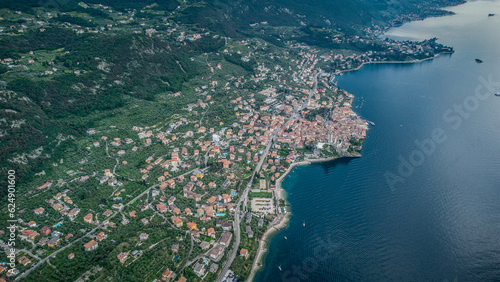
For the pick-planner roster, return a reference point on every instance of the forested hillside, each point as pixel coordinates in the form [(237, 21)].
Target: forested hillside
[(102, 58)]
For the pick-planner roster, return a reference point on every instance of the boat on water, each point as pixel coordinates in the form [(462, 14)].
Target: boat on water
[(279, 266), (479, 61), (497, 94), (371, 122), (491, 15), (304, 224), (286, 238)]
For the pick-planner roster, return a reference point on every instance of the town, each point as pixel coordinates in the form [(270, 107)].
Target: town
[(184, 191)]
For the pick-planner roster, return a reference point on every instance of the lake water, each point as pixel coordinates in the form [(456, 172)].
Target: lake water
[(408, 212)]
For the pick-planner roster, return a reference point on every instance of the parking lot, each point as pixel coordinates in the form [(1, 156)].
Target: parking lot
[(263, 205)]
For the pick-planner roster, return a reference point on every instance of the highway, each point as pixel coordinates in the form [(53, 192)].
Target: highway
[(238, 215)]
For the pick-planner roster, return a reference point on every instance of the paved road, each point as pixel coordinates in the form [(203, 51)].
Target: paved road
[(7, 251), (140, 195), (189, 254), (195, 259), (30, 253), (311, 91), (116, 159), (35, 266), (189, 262), (154, 186), (244, 199)]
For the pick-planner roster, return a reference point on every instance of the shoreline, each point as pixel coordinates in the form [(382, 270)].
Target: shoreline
[(283, 220), (275, 228), (281, 224), (395, 62), (263, 243)]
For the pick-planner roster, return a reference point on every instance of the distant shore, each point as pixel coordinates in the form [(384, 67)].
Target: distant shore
[(396, 62)]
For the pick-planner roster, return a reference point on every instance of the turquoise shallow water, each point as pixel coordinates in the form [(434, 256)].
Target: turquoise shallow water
[(435, 220)]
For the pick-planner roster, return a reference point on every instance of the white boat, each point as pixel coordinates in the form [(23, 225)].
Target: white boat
[(279, 266), (286, 238), (304, 224)]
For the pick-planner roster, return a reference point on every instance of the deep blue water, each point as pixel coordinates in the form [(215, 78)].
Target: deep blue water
[(439, 221)]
